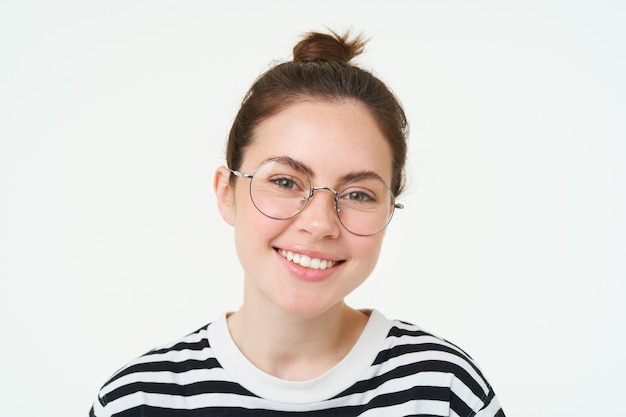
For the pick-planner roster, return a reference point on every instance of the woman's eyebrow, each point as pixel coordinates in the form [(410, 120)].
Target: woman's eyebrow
[(363, 173), (344, 178), (295, 164)]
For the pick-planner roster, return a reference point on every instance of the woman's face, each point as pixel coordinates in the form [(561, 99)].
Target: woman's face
[(335, 141)]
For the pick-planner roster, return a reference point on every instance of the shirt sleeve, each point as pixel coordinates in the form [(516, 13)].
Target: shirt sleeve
[(491, 407), (98, 409)]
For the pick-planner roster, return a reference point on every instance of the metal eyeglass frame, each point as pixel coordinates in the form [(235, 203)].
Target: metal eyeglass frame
[(312, 190)]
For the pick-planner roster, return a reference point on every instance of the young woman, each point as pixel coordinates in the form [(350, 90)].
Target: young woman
[(315, 161)]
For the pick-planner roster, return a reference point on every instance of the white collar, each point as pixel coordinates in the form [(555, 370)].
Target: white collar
[(342, 376)]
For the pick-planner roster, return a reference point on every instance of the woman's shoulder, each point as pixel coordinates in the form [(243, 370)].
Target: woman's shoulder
[(413, 343), (407, 333), (192, 351), (413, 351)]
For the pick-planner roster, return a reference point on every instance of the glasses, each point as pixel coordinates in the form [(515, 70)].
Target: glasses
[(281, 188)]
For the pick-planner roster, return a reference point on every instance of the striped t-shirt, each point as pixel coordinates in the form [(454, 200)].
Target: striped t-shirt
[(394, 369)]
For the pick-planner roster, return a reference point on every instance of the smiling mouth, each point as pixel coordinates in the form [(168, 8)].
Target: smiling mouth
[(306, 261)]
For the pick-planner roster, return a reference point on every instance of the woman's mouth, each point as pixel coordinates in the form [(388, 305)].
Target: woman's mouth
[(305, 260)]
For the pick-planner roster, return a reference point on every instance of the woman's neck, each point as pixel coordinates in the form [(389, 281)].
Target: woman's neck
[(296, 348)]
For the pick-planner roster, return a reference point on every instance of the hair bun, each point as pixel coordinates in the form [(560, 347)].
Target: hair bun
[(332, 47)]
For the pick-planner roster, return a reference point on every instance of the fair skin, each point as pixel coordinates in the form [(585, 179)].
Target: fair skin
[(294, 323)]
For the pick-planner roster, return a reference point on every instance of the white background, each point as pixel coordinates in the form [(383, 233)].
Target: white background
[(113, 116)]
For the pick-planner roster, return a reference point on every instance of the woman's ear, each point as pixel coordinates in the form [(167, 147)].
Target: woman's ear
[(225, 194)]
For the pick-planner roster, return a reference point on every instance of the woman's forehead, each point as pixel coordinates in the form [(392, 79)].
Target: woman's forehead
[(325, 137)]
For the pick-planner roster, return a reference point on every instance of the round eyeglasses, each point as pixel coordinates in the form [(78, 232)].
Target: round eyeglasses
[(280, 188)]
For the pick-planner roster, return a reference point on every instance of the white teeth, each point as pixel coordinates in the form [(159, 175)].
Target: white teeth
[(315, 263), (306, 261)]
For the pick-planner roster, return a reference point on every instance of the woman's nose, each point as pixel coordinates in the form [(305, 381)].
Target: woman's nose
[(319, 217)]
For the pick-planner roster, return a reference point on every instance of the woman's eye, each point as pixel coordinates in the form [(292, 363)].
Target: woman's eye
[(359, 196), (286, 183)]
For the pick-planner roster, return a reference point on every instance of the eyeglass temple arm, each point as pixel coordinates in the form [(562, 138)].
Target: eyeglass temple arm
[(399, 205), (240, 174)]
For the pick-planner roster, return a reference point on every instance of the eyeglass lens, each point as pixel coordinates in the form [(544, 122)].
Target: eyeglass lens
[(280, 189)]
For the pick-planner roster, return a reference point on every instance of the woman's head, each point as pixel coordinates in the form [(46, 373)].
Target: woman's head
[(321, 70), (313, 141)]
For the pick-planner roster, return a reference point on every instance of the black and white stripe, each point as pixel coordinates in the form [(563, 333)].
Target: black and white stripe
[(413, 374)]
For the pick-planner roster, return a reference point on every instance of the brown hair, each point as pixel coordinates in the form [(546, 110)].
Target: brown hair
[(321, 69)]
